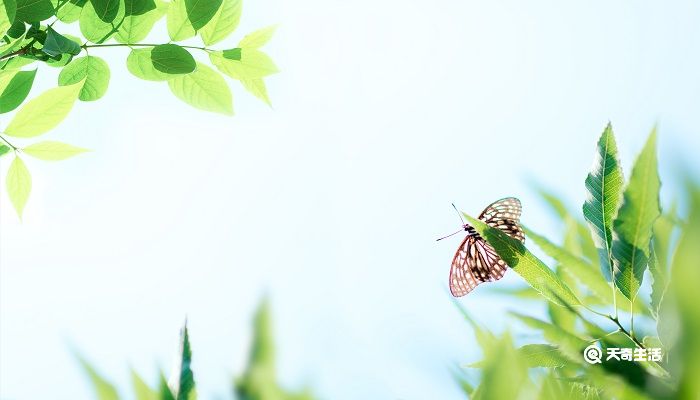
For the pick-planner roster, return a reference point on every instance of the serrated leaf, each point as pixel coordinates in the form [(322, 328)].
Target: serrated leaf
[(33, 10), (104, 390), (200, 12), (204, 89), (140, 65), (52, 151), (543, 355), (18, 185), (172, 59), (182, 384), (14, 88), (141, 389), (252, 64), (44, 112), (604, 195), (92, 71), (633, 225), (531, 268), (258, 38), (179, 25), (8, 10), (222, 23)]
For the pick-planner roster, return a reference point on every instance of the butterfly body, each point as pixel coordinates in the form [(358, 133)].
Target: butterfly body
[(476, 261)]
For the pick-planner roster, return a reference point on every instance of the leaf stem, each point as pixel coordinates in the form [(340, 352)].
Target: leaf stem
[(15, 148), (87, 46)]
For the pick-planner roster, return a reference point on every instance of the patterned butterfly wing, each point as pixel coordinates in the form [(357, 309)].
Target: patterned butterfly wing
[(476, 261), (504, 215)]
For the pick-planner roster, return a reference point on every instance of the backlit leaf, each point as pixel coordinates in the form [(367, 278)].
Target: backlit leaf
[(135, 28), (44, 112), (18, 185), (205, 89), (256, 86), (258, 38), (106, 10), (103, 389), (94, 28), (52, 151), (635, 220), (33, 10), (222, 23), (200, 12), (252, 64), (8, 10), (172, 59), (179, 25), (92, 71), (14, 88), (140, 65), (141, 389)]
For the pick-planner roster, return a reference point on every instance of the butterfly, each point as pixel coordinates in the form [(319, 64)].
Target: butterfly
[(476, 261)]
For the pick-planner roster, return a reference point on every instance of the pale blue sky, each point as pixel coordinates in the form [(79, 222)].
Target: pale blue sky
[(385, 113)]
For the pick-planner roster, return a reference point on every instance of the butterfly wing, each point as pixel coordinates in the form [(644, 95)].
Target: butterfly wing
[(504, 215), (462, 280)]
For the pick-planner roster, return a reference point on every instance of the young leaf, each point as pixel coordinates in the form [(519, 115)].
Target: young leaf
[(222, 23), (201, 12), (18, 184), (179, 25), (4, 150), (182, 382), (94, 28), (256, 86), (502, 363), (635, 220), (604, 188), (531, 268), (33, 10), (140, 65), (52, 151), (569, 344), (104, 390), (106, 10), (204, 89), (57, 44), (258, 38), (141, 389), (543, 355), (70, 11), (44, 112), (14, 88), (92, 71), (243, 63), (172, 59)]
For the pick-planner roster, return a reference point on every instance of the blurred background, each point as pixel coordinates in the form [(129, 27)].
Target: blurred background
[(330, 203)]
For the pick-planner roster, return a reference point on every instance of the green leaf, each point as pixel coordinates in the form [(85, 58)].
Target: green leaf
[(604, 189), (139, 7), (531, 268), (141, 389), (14, 88), (52, 151), (172, 59), (18, 185), (34, 10), (222, 23), (7, 15), (257, 87), (502, 364), (543, 355), (569, 344), (140, 65), (106, 10), (57, 44), (135, 28), (70, 11), (204, 89), (182, 383), (44, 112), (179, 25), (258, 38), (635, 220), (94, 28), (4, 149), (200, 12), (252, 63), (164, 392), (92, 71), (104, 390)]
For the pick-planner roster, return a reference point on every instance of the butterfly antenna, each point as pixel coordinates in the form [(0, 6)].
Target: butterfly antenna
[(451, 234), (459, 214)]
